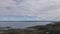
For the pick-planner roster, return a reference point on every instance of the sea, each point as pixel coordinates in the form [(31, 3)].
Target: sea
[(21, 24)]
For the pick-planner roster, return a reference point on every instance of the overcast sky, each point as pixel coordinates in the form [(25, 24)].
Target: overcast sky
[(36, 8), (39, 9)]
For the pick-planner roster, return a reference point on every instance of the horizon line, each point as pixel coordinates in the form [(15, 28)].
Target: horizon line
[(29, 21)]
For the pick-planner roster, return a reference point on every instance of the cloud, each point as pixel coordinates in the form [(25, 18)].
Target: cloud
[(39, 8)]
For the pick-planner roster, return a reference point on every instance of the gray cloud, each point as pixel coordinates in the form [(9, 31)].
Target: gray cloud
[(30, 8)]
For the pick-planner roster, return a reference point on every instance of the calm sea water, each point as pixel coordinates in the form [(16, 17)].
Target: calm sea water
[(21, 24)]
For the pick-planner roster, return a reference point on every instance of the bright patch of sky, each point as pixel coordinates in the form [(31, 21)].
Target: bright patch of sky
[(17, 18), (27, 18)]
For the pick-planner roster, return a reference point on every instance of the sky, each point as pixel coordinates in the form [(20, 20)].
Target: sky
[(12, 10), (34, 8), (38, 8)]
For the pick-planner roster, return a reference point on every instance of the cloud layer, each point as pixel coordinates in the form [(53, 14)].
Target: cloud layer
[(39, 8)]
